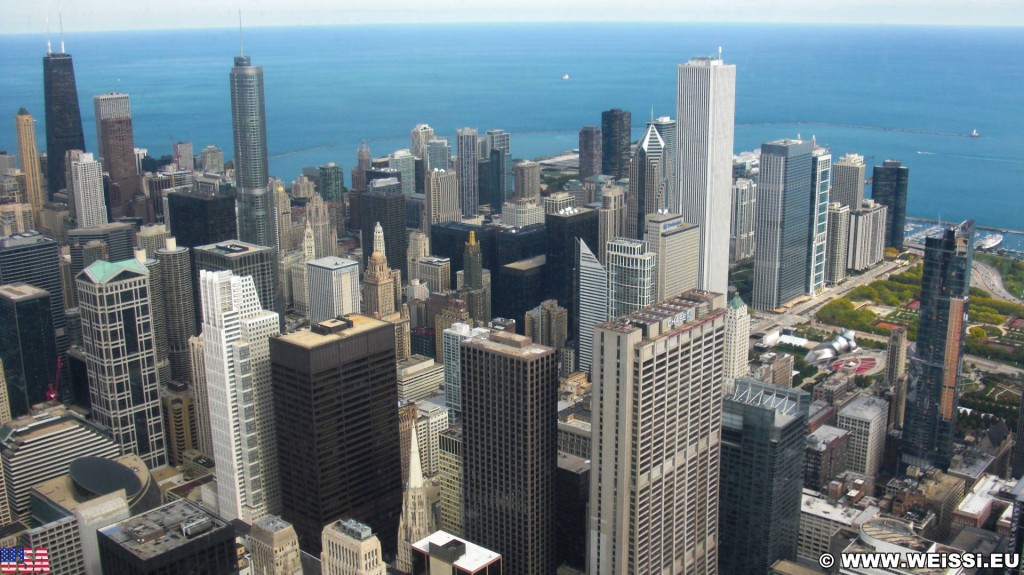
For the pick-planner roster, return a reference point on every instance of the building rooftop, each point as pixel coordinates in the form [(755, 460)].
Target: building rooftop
[(233, 248), (352, 528), (678, 313), (982, 493), (818, 505), (272, 523), (416, 364), (91, 477), (333, 330), (473, 558), (21, 292), (510, 344), (41, 423), (529, 263), (865, 408), (573, 463), (165, 528), (434, 260), (823, 436), (333, 263)]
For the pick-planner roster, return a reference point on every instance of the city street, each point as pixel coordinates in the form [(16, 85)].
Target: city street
[(989, 279)]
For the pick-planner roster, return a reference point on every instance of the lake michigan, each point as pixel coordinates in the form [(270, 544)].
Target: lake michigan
[(886, 92)]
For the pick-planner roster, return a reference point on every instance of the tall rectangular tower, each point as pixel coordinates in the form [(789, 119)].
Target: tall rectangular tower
[(783, 223), (592, 279), (28, 351), (705, 110), (936, 360), (508, 382), (631, 276), (116, 149), (384, 203), (889, 188), (677, 245), (817, 231), (236, 332), (646, 182), (25, 125), (120, 351), (836, 244), (333, 285), (34, 259), (466, 168), (249, 128), (63, 116), (87, 189), (112, 105), (590, 152), (615, 139), (657, 419), (848, 181)]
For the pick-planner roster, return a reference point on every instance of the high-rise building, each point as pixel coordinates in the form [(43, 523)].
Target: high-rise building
[(384, 204), (611, 217), (508, 382), (497, 139), (936, 360), (667, 129), (896, 375), (419, 137), (836, 246), (256, 223), (705, 108), (737, 341), (742, 238), (212, 159), (865, 418), (439, 155), (889, 188), (466, 169), (332, 182), (527, 178), (351, 548), (115, 239), (382, 295), (416, 522), (112, 105), (28, 350), (593, 303), (274, 547), (63, 116), (866, 242), (442, 198), (764, 435), (632, 270), (450, 477), (473, 291), (236, 331), (120, 351), (184, 156), (547, 324), (783, 223), (34, 259), (848, 181), (87, 190), (563, 231), (442, 553), (1017, 457), (179, 413), (590, 152), (615, 139), (116, 149), (333, 288), (199, 219), (339, 378), (650, 507), (405, 163), (676, 244), (25, 125), (431, 420), (451, 357), (201, 400), (817, 233), (241, 259), (646, 182), (158, 315)]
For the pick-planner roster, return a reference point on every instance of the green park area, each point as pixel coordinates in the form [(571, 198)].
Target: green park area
[(1011, 269)]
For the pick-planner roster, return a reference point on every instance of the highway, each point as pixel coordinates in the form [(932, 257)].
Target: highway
[(989, 279)]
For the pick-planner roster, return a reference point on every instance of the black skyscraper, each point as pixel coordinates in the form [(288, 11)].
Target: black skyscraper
[(383, 202), (615, 138), (889, 187), (590, 152), (936, 359), (337, 427), (27, 347), (199, 219), (63, 116), (560, 268)]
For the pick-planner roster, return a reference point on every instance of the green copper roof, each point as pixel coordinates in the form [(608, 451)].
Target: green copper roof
[(737, 302), (101, 271)]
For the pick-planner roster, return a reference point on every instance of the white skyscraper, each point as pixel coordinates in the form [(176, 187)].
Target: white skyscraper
[(821, 184), (705, 110), (594, 305), (677, 245), (451, 339), (419, 137), (87, 189), (631, 271), (442, 198), (657, 418), (865, 418), (647, 180), (866, 244), (835, 247), (332, 288), (737, 341), (741, 228), (236, 349), (848, 181)]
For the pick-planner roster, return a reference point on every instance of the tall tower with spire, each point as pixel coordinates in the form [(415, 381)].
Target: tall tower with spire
[(256, 221), (646, 182), (25, 125), (474, 292), (415, 523), (382, 299), (63, 115)]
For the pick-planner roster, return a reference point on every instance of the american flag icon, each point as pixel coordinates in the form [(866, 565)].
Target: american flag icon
[(24, 560)]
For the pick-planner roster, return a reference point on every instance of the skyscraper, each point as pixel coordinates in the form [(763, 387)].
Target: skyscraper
[(332, 182), (865, 245), (184, 157), (817, 231), (439, 154), (508, 382), (451, 357), (345, 460), (896, 375), (677, 245), (547, 324), (652, 509), (241, 259), (442, 198), (783, 223), (419, 137), (646, 182), (474, 292), (236, 332), (34, 259), (405, 163), (275, 547), (25, 125), (563, 229), (590, 152), (63, 116), (764, 435), (116, 146), (737, 341), (87, 189), (705, 110), (889, 188), (936, 360), (198, 219), (120, 351), (848, 181), (112, 105), (325, 237), (466, 169), (631, 276), (333, 288), (383, 203), (28, 351), (593, 303), (741, 229), (615, 139), (351, 548), (249, 128), (836, 244)]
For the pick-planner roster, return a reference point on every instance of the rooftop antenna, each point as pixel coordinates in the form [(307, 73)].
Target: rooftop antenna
[(61, 17), (652, 114), (241, 38), (49, 49)]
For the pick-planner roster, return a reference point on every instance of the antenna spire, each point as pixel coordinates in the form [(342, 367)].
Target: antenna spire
[(61, 16), (719, 52), (241, 38), (49, 49)]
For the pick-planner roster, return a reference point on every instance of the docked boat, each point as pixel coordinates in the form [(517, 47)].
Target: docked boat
[(988, 242)]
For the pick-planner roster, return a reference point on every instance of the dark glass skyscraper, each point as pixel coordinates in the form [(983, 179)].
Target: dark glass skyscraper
[(889, 187), (27, 347), (249, 123), (384, 202), (590, 152), (63, 116), (560, 268), (615, 138), (198, 219), (764, 435), (936, 359)]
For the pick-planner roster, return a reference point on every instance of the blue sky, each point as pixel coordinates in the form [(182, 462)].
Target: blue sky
[(29, 16)]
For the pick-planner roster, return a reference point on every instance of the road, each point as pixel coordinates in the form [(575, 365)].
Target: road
[(989, 279)]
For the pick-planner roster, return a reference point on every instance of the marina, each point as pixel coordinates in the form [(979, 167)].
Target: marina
[(989, 239)]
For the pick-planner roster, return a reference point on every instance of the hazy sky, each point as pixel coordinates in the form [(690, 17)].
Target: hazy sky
[(29, 16)]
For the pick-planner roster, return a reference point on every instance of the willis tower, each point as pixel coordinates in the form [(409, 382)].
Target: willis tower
[(63, 116)]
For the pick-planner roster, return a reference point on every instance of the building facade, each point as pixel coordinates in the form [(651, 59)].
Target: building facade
[(889, 188)]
